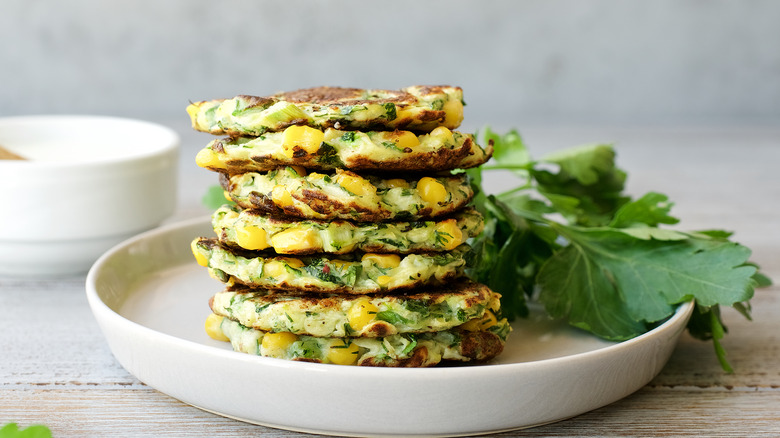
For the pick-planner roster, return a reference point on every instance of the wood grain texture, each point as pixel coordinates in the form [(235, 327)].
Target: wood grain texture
[(147, 413), (56, 368)]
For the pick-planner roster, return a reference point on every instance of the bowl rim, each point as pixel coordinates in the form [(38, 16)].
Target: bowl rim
[(168, 141)]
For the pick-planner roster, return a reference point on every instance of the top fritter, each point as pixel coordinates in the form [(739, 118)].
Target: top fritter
[(416, 108)]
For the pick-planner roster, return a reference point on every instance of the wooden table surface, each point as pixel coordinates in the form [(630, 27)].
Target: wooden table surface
[(56, 368)]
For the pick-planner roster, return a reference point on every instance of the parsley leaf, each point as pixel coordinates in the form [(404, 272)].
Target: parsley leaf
[(392, 317), (651, 209), (604, 270), (509, 150), (569, 237), (215, 197), (509, 253), (587, 186), (11, 430)]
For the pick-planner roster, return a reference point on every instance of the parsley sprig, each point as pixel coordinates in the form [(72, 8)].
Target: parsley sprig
[(569, 237), (11, 430)]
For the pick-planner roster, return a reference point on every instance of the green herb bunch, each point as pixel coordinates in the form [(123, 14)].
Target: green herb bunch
[(570, 238)]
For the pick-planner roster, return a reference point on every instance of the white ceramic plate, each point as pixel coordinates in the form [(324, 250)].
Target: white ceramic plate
[(150, 299)]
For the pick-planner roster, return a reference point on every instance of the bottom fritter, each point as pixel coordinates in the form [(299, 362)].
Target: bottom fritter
[(401, 350)]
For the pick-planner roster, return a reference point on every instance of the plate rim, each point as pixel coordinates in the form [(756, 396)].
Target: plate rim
[(103, 311), (682, 310)]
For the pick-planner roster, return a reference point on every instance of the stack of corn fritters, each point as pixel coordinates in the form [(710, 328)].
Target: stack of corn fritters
[(345, 244)]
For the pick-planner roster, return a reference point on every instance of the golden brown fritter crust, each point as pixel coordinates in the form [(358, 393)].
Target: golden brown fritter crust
[(313, 289), (326, 315), (481, 345), (418, 108), (464, 156), (465, 288), (343, 236), (418, 359), (313, 202), (328, 274), (342, 96)]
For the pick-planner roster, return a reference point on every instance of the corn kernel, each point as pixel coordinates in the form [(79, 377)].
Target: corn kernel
[(301, 137), (315, 176), (274, 269), (489, 320), (495, 303), (294, 240), (444, 133), (208, 158), (355, 184), (299, 170), (449, 234), (431, 191), (340, 265), (213, 328), (199, 257), (478, 324), (276, 344), (193, 111), (453, 113), (341, 353), (382, 260), (251, 236), (402, 113), (361, 313), (292, 262), (281, 197), (331, 134), (226, 194), (384, 280), (396, 183), (404, 139)]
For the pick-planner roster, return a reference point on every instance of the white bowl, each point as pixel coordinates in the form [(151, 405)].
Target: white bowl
[(88, 183)]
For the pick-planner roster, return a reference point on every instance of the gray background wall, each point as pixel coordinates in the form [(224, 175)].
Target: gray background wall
[(519, 62)]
